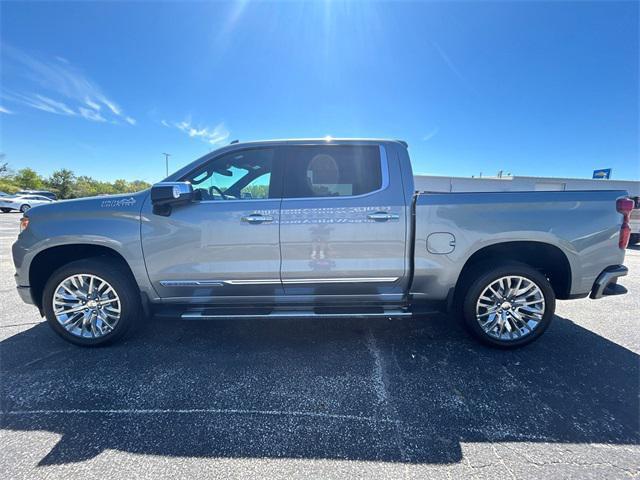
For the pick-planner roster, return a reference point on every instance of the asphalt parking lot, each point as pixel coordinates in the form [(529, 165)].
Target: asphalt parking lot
[(322, 399)]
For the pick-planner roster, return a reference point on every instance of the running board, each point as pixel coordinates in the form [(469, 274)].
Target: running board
[(293, 314)]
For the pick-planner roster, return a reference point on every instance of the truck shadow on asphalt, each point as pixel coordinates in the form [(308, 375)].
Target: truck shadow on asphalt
[(396, 391)]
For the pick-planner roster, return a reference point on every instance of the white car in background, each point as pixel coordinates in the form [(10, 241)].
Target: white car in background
[(22, 203), (42, 193)]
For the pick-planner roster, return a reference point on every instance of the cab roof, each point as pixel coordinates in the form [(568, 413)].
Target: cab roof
[(314, 141)]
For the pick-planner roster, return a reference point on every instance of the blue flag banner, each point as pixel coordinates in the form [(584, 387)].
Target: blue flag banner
[(602, 174)]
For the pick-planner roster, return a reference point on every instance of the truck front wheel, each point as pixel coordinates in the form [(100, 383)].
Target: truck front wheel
[(508, 305), (91, 302)]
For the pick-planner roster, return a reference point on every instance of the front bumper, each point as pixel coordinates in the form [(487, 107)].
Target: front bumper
[(25, 294), (606, 283)]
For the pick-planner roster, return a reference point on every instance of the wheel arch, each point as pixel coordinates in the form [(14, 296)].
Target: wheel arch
[(50, 259), (548, 259)]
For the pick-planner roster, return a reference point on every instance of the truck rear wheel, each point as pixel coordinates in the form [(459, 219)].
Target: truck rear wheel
[(91, 302), (509, 305)]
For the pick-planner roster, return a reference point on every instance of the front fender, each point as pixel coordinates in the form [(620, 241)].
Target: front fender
[(110, 222)]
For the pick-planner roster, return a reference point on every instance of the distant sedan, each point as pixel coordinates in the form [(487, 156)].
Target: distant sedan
[(22, 202), (41, 193)]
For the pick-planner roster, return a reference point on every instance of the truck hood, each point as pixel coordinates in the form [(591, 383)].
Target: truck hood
[(129, 203)]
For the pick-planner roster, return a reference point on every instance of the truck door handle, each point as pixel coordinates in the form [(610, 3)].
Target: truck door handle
[(256, 218), (382, 216)]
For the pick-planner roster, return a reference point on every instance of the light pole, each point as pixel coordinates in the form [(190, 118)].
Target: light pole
[(166, 162)]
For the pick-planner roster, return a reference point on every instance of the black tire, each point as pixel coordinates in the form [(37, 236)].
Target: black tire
[(484, 275), (119, 279), (5, 210), (634, 239), (25, 208)]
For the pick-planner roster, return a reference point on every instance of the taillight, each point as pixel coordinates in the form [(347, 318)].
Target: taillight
[(624, 206), (24, 223)]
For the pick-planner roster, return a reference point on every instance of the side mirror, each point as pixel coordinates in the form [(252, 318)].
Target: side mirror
[(164, 195)]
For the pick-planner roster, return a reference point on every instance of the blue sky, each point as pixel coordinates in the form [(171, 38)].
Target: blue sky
[(536, 88)]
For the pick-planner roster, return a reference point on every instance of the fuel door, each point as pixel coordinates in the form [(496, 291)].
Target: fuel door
[(441, 243)]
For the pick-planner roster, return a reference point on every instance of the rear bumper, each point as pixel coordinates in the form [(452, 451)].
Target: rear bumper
[(606, 283)]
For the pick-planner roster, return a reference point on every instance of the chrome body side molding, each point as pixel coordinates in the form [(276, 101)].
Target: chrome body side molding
[(272, 281), (295, 281)]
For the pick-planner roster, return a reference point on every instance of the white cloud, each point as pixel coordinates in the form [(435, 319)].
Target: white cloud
[(59, 107), (165, 123), (214, 136), (452, 66), (39, 102), (91, 115), (431, 134), (67, 90), (4, 110), (111, 105), (90, 103)]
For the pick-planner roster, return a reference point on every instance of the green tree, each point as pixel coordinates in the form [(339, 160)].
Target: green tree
[(121, 186), (138, 185), (7, 186), (85, 187), (63, 181), (27, 178)]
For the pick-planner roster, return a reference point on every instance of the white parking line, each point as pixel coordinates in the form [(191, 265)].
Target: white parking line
[(218, 411), (380, 386), (377, 375)]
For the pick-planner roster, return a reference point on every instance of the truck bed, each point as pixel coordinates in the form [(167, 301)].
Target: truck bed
[(451, 227)]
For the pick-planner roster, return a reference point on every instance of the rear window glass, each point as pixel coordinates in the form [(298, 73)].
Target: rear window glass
[(332, 171)]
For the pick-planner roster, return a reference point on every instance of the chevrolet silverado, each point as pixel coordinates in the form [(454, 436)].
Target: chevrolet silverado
[(312, 229)]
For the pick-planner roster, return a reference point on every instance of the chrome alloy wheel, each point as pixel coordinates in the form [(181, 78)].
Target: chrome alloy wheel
[(86, 306), (510, 308)]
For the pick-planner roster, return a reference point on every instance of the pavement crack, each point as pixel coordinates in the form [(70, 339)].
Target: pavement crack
[(44, 357), (502, 462), (20, 324)]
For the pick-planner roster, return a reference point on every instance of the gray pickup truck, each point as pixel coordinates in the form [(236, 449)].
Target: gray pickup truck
[(312, 229)]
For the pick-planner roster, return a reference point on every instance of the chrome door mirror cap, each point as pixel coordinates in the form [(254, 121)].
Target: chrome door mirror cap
[(171, 193), (164, 195)]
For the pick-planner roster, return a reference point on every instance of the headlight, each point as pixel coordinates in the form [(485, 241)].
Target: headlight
[(24, 223)]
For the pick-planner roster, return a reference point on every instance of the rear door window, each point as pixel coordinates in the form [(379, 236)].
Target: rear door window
[(332, 171)]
